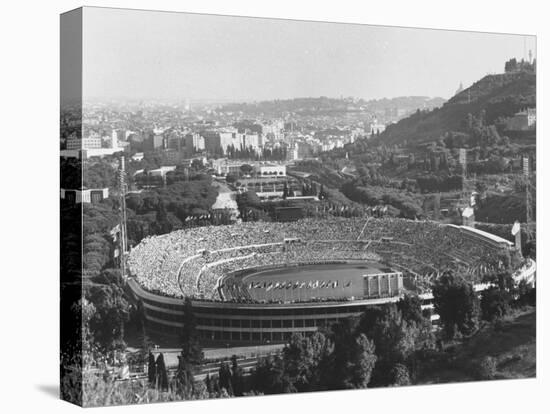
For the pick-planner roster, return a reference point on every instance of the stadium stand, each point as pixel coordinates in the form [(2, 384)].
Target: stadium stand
[(196, 262)]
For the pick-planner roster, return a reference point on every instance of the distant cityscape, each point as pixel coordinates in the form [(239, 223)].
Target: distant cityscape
[(180, 131)]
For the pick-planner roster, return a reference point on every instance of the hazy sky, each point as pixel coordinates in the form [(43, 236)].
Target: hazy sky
[(159, 55)]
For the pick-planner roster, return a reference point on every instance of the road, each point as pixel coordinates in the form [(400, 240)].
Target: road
[(247, 357), (226, 197), (249, 353)]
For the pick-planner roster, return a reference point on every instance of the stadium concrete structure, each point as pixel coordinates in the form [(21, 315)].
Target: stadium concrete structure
[(231, 273)]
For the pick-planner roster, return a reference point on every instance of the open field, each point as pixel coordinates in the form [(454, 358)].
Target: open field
[(326, 281)]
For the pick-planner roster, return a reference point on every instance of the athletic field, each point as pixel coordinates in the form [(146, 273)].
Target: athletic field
[(310, 282)]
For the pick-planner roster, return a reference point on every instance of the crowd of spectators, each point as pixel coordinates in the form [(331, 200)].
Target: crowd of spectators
[(196, 261)]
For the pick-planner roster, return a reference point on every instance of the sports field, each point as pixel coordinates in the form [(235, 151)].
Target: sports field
[(310, 282)]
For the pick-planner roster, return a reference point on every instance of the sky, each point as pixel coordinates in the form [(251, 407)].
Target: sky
[(133, 54)]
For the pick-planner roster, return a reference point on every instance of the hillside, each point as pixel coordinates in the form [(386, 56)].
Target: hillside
[(511, 343), (499, 95)]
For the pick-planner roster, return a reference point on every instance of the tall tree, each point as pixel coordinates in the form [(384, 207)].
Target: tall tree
[(191, 349), (362, 362), (302, 358), (112, 313), (457, 304), (410, 307), (285, 191), (162, 374), (184, 378), (269, 376), (395, 339), (237, 377), (151, 369), (162, 224), (224, 375), (246, 169), (353, 359)]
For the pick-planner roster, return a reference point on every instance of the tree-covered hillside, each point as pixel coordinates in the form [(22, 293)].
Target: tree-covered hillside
[(500, 96)]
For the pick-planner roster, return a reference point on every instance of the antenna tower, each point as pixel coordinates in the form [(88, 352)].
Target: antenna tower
[(529, 224), (468, 185)]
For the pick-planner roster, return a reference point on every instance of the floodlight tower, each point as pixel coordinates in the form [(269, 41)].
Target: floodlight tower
[(463, 160), (468, 186), (122, 199), (466, 190), (528, 199)]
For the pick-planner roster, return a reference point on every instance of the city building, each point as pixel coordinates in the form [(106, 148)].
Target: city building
[(171, 156), (138, 156), (269, 187), (91, 146), (95, 195), (220, 141), (92, 142), (158, 141), (118, 136), (162, 171), (174, 142), (303, 150), (376, 128), (89, 153), (223, 166), (523, 120), (292, 154), (193, 143), (270, 170)]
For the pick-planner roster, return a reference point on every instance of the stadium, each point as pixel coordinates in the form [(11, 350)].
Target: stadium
[(257, 283)]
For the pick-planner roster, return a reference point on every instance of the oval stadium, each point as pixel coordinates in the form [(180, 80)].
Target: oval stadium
[(259, 282)]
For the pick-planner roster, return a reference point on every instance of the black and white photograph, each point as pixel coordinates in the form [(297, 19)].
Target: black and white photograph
[(293, 206), (272, 206)]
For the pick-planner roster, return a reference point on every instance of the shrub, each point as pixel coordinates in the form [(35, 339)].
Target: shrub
[(400, 375), (485, 369), (495, 304), (527, 295)]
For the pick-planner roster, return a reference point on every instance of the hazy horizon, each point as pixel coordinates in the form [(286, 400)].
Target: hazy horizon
[(146, 55)]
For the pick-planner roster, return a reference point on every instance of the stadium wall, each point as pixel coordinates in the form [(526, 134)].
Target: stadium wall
[(238, 323)]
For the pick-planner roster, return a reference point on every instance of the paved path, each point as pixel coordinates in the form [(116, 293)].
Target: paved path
[(226, 197)]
